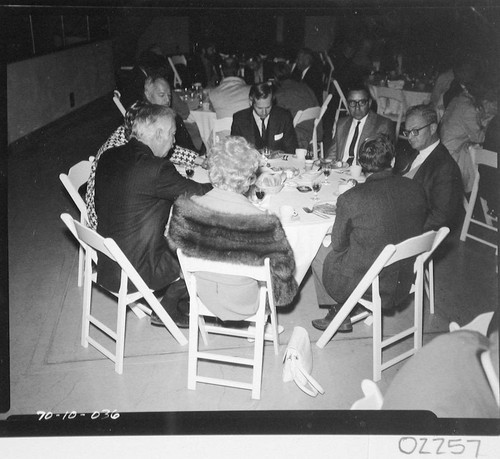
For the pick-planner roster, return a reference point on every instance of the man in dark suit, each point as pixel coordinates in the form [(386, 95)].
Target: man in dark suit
[(306, 71), (135, 186), (264, 124), (386, 209), (361, 124), (431, 165)]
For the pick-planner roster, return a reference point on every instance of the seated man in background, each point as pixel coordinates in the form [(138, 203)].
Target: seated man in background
[(232, 94), (362, 123), (432, 166), (386, 209), (264, 124), (135, 186), (157, 91), (306, 71), (223, 225), (293, 96)]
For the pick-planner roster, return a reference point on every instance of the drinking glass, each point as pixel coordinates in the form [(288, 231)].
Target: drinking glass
[(326, 172), (189, 169), (316, 186), (260, 194)]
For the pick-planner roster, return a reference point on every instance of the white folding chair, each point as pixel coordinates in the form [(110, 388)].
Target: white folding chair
[(479, 324), (117, 100), (488, 158), (315, 128), (418, 247), (177, 78), (179, 59), (72, 181), (373, 399), (391, 103), (92, 242), (198, 310), (342, 106), (222, 128), (330, 79), (429, 273)]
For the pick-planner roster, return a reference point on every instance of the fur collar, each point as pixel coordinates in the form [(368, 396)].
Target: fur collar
[(235, 238)]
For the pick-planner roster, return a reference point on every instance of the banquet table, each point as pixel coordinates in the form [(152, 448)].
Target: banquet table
[(205, 120), (307, 231), (412, 98)]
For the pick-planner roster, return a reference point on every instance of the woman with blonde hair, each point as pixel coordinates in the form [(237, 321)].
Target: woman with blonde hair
[(223, 225)]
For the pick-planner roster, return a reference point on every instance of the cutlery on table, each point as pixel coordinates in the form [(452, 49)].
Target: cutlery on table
[(307, 210)]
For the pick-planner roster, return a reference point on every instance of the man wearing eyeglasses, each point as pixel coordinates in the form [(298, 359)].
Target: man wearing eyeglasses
[(362, 123), (431, 164)]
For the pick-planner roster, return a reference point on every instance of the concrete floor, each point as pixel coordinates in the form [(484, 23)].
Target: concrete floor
[(50, 371)]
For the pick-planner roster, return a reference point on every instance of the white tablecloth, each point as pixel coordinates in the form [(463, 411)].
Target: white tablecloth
[(307, 232), (205, 121), (412, 98)]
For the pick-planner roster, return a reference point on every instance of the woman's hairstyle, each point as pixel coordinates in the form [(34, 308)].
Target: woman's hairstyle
[(128, 119), (232, 164), (147, 119), (376, 153)]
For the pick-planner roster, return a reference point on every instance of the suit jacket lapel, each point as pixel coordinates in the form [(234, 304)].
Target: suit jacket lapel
[(367, 128)]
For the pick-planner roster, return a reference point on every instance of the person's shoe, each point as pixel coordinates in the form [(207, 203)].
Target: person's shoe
[(180, 320), (322, 324)]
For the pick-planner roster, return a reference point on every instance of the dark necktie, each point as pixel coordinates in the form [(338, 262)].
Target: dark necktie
[(263, 135), (353, 144)]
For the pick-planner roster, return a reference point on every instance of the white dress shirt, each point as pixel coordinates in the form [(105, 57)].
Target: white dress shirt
[(362, 123), (258, 121), (421, 157)]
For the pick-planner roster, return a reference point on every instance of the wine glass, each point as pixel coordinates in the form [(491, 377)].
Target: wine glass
[(316, 186), (326, 172), (259, 194), (189, 169)]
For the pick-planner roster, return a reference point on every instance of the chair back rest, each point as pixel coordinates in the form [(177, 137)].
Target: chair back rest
[(191, 265), (421, 246), (480, 324), (222, 125), (323, 110), (76, 177), (177, 78), (94, 242), (117, 100), (307, 114), (179, 59)]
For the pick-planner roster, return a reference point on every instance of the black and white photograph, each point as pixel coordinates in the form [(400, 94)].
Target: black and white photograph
[(250, 218)]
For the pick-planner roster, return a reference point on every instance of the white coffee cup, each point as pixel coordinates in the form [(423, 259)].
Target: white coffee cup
[(309, 164), (300, 154), (355, 171), (287, 213)]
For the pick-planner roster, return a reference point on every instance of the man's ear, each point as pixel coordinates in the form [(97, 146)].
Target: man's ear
[(434, 128), (159, 133)]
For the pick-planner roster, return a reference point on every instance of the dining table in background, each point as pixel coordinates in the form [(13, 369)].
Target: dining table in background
[(305, 232)]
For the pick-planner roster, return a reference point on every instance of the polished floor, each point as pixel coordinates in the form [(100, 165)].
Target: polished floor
[(51, 371)]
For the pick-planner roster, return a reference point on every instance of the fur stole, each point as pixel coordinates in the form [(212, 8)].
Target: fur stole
[(205, 233)]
